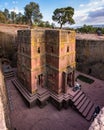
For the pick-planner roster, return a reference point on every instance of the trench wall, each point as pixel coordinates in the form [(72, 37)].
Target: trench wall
[(90, 57)]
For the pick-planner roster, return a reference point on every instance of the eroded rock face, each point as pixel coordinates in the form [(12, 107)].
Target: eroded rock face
[(5, 123), (2, 119), (90, 57), (98, 123)]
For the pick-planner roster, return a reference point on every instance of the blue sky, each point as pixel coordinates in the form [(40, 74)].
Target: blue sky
[(86, 11)]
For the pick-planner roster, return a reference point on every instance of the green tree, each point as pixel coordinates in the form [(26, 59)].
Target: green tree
[(52, 25), (19, 18), (63, 16), (103, 30), (2, 17), (41, 24), (32, 13), (87, 29), (6, 13), (13, 16), (24, 19), (47, 24)]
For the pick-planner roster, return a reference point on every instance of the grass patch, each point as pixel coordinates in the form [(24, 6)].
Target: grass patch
[(85, 79)]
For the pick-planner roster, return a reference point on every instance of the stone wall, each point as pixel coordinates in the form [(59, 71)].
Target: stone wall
[(4, 105), (98, 123), (90, 57), (8, 47)]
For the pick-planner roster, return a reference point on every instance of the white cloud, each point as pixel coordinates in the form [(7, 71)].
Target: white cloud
[(81, 16), (81, 5)]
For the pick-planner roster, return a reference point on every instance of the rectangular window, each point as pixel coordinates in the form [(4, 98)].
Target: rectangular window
[(38, 49)]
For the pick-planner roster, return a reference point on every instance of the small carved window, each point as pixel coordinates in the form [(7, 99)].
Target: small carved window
[(23, 49), (52, 49), (68, 49), (77, 60), (38, 49), (69, 32)]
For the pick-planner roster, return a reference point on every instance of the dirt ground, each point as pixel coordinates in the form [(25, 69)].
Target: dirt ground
[(49, 118), (12, 29), (83, 36)]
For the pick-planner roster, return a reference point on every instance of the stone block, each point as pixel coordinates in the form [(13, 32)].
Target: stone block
[(45, 51)]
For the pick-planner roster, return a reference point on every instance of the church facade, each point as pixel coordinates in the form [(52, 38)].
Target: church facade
[(46, 59)]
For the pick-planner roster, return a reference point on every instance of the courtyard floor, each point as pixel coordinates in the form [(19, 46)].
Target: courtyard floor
[(49, 118)]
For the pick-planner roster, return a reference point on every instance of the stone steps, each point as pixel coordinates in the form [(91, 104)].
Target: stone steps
[(28, 96), (89, 116), (87, 109), (9, 75), (79, 99), (67, 97), (77, 96), (42, 95), (83, 105)]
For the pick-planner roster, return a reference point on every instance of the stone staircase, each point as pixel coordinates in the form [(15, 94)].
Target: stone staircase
[(83, 105), (79, 100), (9, 74), (41, 96)]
